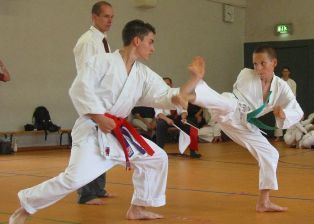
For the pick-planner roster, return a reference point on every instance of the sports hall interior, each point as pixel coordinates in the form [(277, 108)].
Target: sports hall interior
[(37, 38)]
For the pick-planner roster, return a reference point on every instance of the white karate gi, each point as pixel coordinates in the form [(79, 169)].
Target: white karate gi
[(299, 134), (294, 134), (209, 131), (307, 141), (293, 86), (231, 114), (103, 86)]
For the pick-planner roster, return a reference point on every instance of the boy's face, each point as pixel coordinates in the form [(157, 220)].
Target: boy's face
[(264, 65), (145, 47)]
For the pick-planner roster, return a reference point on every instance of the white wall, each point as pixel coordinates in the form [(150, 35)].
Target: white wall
[(263, 15), (37, 38)]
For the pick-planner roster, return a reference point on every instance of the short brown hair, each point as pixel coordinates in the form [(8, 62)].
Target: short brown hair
[(266, 49)]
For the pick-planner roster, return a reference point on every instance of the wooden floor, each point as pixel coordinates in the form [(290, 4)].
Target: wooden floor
[(217, 189)]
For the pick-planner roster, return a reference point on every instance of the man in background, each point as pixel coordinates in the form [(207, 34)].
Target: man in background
[(285, 75), (91, 43)]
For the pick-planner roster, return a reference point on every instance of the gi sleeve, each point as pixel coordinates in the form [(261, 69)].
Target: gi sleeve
[(290, 107), (83, 89), (156, 93)]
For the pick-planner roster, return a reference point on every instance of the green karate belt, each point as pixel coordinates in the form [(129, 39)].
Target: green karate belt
[(251, 117)]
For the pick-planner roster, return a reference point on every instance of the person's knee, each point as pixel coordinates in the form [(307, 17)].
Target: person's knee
[(289, 139)]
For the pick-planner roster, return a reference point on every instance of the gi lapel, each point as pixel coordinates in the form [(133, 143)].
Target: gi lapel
[(128, 95)]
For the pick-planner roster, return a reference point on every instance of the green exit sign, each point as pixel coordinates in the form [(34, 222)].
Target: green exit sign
[(283, 29)]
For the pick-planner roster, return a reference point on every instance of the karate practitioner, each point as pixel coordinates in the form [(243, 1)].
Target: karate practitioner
[(111, 84), (91, 43), (301, 134), (256, 92), (294, 134), (307, 140)]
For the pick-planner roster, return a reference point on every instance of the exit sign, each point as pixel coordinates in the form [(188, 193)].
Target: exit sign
[(283, 29)]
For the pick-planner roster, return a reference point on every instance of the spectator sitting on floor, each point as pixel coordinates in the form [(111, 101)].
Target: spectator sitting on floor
[(298, 135), (143, 118), (166, 119), (210, 132)]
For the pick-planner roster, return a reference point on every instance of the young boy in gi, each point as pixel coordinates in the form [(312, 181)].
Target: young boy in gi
[(255, 93)]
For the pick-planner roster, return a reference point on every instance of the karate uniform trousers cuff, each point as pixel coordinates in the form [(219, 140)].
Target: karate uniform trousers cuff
[(153, 202)]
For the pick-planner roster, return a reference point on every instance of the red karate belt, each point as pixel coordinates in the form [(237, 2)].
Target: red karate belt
[(122, 122), (194, 138)]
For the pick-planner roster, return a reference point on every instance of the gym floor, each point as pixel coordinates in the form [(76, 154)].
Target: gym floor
[(219, 188)]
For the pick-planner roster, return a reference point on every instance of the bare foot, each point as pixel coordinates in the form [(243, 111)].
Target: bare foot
[(95, 201), (269, 207), (107, 195), (139, 212), (19, 216)]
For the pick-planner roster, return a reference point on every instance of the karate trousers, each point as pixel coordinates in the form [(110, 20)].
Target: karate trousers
[(86, 164), (226, 112)]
